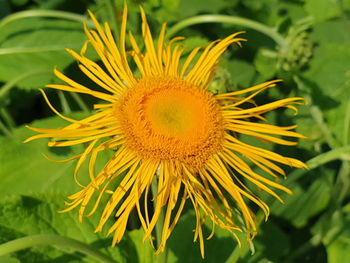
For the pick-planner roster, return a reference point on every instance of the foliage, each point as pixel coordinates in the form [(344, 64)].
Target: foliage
[(314, 223)]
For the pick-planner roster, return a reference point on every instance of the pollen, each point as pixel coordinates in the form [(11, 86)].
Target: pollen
[(170, 119)]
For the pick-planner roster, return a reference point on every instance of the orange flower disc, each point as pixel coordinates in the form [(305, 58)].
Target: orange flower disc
[(170, 119)]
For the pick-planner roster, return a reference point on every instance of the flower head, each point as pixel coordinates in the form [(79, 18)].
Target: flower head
[(166, 127)]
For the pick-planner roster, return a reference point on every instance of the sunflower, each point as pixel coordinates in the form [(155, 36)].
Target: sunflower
[(166, 127)]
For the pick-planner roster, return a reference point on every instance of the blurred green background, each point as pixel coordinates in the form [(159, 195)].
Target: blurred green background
[(304, 42)]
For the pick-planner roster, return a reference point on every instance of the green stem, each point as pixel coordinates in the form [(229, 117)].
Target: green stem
[(45, 13), (162, 257), (342, 153), (238, 252), (54, 240), (4, 90), (272, 33), (317, 115), (346, 124), (64, 103), (4, 130), (112, 12), (79, 101), (342, 183), (7, 118), (314, 241)]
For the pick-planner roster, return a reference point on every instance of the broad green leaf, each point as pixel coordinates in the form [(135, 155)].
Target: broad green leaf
[(194, 7), (329, 226), (329, 77), (323, 10), (23, 215), (338, 248), (183, 249), (304, 203), (166, 13), (40, 42), (162, 11), (24, 170), (192, 42), (339, 118), (330, 69), (269, 11), (134, 250), (271, 244), (265, 63), (254, 5), (242, 72), (9, 259), (331, 32), (308, 126), (294, 10)]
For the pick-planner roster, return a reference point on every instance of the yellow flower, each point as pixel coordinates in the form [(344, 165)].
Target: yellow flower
[(165, 126)]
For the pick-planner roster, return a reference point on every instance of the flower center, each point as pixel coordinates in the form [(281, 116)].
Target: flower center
[(173, 112), (170, 119)]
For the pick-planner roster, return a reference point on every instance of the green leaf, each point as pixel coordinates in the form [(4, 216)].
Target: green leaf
[(329, 75), (265, 63), (183, 249), (194, 7), (271, 244), (192, 42), (308, 126), (294, 10), (331, 32), (135, 250), (254, 5), (40, 42), (160, 10), (323, 10), (338, 250), (168, 10), (9, 259), (22, 216), (339, 118), (304, 203), (242, 72), (24, 170), (330, 69)]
